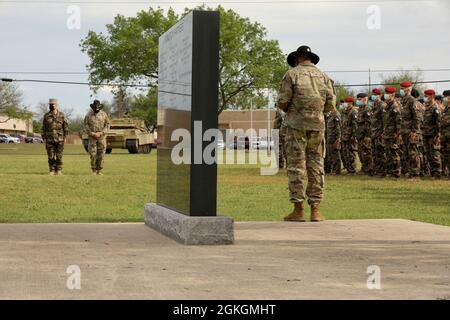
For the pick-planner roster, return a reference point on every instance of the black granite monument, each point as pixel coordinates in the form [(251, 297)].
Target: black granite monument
[(186, 200)]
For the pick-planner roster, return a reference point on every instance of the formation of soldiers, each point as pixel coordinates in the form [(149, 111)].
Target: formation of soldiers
[(55, 129), (392, 133)]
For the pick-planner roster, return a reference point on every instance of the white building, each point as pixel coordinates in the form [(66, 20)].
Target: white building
[(15, 126)]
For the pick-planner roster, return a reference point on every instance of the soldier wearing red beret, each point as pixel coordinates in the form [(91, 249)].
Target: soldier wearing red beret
[(410, 131), (431, 133), (363, 134), (445, 134), (376, 133), (391, 133), (349, 127)]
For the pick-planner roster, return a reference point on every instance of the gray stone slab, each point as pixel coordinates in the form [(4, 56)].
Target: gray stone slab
[(189, 230)]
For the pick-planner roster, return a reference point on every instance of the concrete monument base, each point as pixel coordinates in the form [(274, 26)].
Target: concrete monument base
[(188, 230)]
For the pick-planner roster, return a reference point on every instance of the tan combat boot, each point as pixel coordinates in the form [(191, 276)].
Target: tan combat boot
[(58, 173), (94, 172), (316, 216), (298, 214), (51, 173), (99, 173)]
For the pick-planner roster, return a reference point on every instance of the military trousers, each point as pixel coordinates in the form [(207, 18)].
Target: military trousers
[(305, 160), (349, 156), (55, 153), (378, 156), (365, 155), (393, 160), (97, 150), (281, 148), (334, 156), (445, 150), (433, 155), (410, 156)]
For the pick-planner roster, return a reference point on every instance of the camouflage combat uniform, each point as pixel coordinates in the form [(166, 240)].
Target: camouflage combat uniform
[(305, 93), (280, 125), (349, 128), (54, 131), (410, 124), (445, 140), (431, 130), (364, 142), (391, 134), (424, 167), (327, 162), (334, 141), (96, 123), (376, 135)]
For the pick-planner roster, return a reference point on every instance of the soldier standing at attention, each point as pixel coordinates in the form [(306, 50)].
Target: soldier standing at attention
[(96, 125), (334, 141), (305, 94), (376, 133), (391, 133), (445, 134), (363, 134), (421, 108), (279, 124), (431, 133), (54, 132), (410, 132), (349, 127)]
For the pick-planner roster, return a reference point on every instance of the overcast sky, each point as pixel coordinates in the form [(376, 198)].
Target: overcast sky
[(413, 34)]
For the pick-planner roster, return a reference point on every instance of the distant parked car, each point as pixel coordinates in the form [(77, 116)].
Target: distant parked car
[(34, 140), (21, 137), (8, 139), (3, 140)]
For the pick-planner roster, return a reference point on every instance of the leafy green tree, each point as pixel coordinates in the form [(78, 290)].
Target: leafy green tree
[(145, 106), (10, 101), (342, 91), (401, 76), (128, 52)]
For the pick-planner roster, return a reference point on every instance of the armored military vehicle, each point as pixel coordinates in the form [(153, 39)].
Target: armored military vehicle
[(127, 133)]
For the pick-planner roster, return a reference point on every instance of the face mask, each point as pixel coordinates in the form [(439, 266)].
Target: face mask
[(370, 104), (387, 97), (402, 92), (52, 107), (373, 97), (360, 103), (446, 101), (426, 99), (345, 105)]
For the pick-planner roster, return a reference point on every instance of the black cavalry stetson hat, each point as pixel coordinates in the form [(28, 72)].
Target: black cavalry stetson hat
[(302, 50)]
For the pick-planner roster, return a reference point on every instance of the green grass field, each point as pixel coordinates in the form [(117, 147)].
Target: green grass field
[(29, 194)]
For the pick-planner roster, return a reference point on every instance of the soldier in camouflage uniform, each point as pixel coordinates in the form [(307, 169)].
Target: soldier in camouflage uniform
[(376, 134), (348, 136), (391, 133), (305, 93), (424, 168), (445, 134), (363, 134), (54, 132), (96, 125), (334, 141), (327, 162), (410, 132), (280, 125), (431, 133)]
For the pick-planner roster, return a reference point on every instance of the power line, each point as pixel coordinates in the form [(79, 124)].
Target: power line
[(148, 86), (328, 71), (204, 2)]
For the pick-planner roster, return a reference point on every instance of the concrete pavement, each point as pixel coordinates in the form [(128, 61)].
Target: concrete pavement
[(270, 260)]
